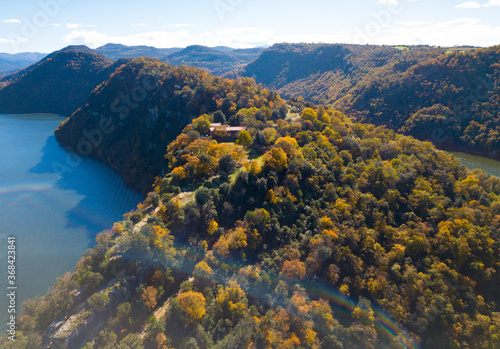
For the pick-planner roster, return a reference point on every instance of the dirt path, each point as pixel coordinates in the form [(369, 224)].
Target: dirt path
[(144, 221), (160, 312)]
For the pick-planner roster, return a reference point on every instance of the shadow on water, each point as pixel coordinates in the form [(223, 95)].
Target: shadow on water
[(105, 195)]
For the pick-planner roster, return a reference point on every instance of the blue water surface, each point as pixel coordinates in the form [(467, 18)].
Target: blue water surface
[(53, 203)]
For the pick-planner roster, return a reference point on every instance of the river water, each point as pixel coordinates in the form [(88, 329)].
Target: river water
[(473, 161), (52, 205)]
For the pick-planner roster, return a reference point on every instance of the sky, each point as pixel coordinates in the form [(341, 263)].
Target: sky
[(49, 25)]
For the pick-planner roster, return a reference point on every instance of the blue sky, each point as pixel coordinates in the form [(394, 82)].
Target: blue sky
[(48, 25)]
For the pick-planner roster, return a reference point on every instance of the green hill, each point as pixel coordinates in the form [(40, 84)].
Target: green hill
[(58, 84), (323, 73), (216, 60), (304, 234), (147, 103), (451, 100), (117, 51), (438, 94)]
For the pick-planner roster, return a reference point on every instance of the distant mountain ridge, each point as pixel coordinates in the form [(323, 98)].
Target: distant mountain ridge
[(10, 63), (61, 82), (213, 60), (216, 60), (58, 84), (117, 51)]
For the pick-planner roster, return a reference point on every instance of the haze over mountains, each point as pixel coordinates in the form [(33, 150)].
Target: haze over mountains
[(10, 63), (216, 60)]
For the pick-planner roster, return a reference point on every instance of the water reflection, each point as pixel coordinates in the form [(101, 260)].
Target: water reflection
[(105, 196), (54, 213)]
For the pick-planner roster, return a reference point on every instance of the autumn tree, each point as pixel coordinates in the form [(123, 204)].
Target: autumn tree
[(294, 269), (193, 305), (150, 297), (275, 159), (202, 125), (244, 138)]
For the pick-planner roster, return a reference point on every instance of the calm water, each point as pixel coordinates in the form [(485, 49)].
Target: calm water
[(54, 210), (472, 161)]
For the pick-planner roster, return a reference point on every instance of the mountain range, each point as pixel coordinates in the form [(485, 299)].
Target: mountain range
[(10, 63), (418, 90), (59, 83)]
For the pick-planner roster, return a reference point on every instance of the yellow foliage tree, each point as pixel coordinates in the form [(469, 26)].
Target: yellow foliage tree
[(253, 167), (309, 114), (289, 145), (179, 172), (213, 226), (193, 305), (232, 300), (202, 125), (202, 269), (276, 159), (244, 138)]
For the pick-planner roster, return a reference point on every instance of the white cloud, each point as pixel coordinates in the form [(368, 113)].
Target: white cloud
[(95, 39), (139, 25), (469, 4), (474, 4), (13, 20), (180, 25), (492, 3), (76, 26), (234, 37), (4, 41), (412, 23), (464, 31), (388, 2)]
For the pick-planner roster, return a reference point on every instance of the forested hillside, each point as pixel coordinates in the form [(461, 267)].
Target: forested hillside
[(452, 100), (446, 96), (144, 106), (60, 83), (303, 233), (322, 73)]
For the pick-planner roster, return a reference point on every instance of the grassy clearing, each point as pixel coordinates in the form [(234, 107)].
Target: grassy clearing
[(260, 161)]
